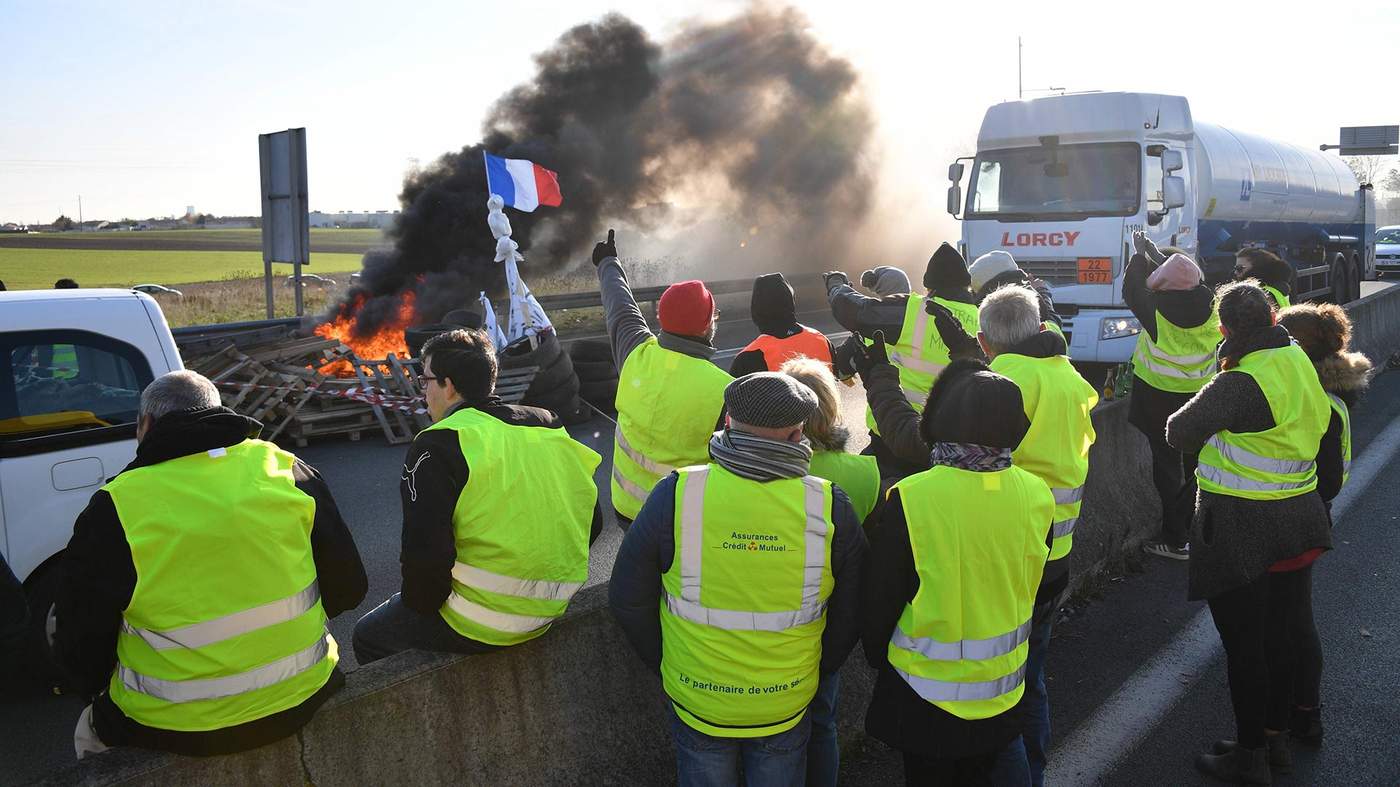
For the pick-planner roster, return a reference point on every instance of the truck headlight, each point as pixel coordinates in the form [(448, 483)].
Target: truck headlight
[(1118, 327)]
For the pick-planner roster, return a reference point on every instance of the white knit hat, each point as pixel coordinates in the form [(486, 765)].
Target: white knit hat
[(989, 266)]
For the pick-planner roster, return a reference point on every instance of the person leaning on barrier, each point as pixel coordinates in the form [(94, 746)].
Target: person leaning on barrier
[(781, 337), (738, 583), (857, 475), (1175, 358), (670, 396), (950, 584), (914, 347), (1324, 332), (499, 509), (1270, 272), (198, 583), (1258, 426)]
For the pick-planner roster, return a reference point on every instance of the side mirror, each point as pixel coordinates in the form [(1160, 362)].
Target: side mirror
[(1173, 192), (954, 199), (955, 172), (1171, 161)]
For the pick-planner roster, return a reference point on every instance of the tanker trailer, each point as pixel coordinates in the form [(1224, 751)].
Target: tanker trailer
[(1062, 183)]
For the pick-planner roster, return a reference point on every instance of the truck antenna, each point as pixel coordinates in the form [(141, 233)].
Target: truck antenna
[(1019, 93)]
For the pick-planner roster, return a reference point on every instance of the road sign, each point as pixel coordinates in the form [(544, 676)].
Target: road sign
[(286, 228), (1368, 141)]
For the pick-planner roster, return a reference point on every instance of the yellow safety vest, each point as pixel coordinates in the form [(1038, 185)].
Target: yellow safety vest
[(858, 476), (1280, 462), (920, 354), (668, 405), (1058, 402), (1340, 408), (961, 642), (1181, 360), (1280, 300), (521, 525), (746, 596), (225, 624)]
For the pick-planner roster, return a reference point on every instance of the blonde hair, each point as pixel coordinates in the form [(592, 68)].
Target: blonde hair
[(823, 427)]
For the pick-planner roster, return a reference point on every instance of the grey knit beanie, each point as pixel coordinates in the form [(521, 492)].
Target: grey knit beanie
[(770, 400)]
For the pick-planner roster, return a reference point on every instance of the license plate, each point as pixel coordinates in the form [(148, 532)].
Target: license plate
[(1095, 270)]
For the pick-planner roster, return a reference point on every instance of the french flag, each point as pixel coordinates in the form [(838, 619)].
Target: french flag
[(524, 185)]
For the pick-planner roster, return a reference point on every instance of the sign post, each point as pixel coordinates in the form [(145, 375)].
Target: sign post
[(286, 229)]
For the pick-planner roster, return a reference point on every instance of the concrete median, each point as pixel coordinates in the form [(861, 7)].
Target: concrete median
[(576, 706)]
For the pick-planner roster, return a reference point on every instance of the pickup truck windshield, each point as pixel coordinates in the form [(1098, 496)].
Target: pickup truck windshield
[(1100, 179), (1388, 235)]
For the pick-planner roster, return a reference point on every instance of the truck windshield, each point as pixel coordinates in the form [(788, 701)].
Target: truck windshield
[(1101, 179), (1388, 235)]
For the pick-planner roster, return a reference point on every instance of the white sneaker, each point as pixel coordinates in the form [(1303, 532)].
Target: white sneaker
[(1163, 549)]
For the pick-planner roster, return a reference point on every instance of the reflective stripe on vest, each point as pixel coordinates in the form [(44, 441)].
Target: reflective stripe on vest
[(659, 469), (1340, 408), (1279, 462), (198, 635), (513, 586), (955, 691), (500, 621), (181, 691), (976, 649), (1179, 360)]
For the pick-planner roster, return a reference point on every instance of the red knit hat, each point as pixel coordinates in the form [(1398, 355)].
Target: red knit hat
[(686, 308)]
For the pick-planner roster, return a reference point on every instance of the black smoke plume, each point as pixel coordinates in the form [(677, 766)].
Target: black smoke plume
[(752, 113)]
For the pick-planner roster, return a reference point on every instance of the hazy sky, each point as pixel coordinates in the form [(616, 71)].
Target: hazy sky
[(144, 108)]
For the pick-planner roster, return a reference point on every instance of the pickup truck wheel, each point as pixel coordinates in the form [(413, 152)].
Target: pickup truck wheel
[(42, 591)]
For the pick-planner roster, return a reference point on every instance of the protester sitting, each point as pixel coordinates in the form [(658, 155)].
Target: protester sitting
[(484, 564), (198, 582), (759, 566), (1257, 425), (858, 476), (670, 396), (1269, 271), (1324, 332), (950, 586), (781, 336), (917, 351)]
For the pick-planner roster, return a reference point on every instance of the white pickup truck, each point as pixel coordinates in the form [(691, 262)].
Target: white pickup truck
[(72, 367)]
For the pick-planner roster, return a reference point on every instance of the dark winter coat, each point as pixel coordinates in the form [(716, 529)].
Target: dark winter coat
[(1235, 540), (99, 578), (1148, 407), (434, 474), (774, 312), (1345, 375)]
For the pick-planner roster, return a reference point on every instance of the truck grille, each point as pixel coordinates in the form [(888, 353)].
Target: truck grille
[(1052, 271)]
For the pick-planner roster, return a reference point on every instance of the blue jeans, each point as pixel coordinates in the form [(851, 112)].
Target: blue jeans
[(823, 750), (778, 760), (1025, 764)]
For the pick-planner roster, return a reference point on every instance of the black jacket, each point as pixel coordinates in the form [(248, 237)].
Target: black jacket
[(99, 578), (774, 312), (897, 714), (434, 475), (635, 593), (1148, 407)]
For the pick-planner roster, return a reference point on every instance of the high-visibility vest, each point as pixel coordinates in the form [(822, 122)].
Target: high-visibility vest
[(1057, 401), (521, 526), (225, 624), (668, 405), (1280, 462), (978, 541), (746, 596), (920, 354), (1280, 300), (808, 341), (1180, 360), (1340, 408), (858, 476)]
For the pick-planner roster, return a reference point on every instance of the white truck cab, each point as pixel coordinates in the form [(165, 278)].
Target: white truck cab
[(73, 364)]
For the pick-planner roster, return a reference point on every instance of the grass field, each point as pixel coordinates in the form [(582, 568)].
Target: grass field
[(32, 269), (322, 240)]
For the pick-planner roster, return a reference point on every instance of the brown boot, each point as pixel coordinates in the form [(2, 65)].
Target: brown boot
[(1239, 765), (1280, 757)]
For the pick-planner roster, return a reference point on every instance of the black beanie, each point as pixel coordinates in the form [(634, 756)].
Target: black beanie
[(970, 403), (947, 271)]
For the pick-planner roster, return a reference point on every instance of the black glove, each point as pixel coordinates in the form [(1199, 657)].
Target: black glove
[(864, 358), (604, 250), (959, 342), (832, 279), (1144, 246)]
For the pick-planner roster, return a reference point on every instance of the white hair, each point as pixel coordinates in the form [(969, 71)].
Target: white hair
[(176, 391), (1009, 316)]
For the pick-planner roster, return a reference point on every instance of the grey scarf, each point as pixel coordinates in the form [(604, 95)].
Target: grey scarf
[(970, 456), (759, 458)]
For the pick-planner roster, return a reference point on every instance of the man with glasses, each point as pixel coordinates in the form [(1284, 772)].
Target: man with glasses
[(484, 564)]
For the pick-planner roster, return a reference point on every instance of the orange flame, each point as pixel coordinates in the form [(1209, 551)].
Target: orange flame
[(388, 339)]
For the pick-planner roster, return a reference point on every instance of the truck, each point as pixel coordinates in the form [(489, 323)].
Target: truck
[(73, 364), (1062, 182)]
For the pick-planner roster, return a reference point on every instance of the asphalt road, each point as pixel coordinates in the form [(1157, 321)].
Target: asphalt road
[(1099, 649)]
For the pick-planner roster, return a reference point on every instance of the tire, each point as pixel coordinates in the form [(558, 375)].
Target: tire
[(575, 413), (599, 371), (557, 398), (1357, 274), (600, 393), (1341, 289), (554, 376), (591, 350), (38, 652), (516, 353), (415, 337)]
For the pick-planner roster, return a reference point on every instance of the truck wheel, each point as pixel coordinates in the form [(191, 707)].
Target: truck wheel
[(1341, 289), (42, 591), (1357, 274)]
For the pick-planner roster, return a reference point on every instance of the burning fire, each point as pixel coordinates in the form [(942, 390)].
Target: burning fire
[(388, 339)]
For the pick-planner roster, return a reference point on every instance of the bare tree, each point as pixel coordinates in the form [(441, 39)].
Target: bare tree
[(1365, 167)]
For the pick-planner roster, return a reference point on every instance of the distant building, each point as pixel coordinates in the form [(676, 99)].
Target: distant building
[(379, 219)]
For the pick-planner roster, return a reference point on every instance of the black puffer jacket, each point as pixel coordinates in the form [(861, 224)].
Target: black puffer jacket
[(1148, 407), (1235, 540), (99, 578)]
